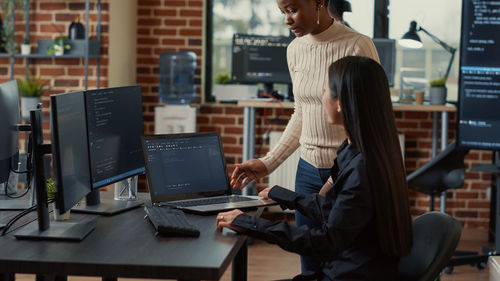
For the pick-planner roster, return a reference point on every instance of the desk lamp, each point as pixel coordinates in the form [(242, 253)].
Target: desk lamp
[(411, 40)]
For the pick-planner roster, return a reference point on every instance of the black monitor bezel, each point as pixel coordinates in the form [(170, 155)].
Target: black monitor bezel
[(256, 81), (393, 61), (182, 196), (10, 109), (459, 100), (56, 159)]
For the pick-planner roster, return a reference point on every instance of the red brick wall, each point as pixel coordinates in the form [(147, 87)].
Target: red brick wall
[(48, 19), (165, 26)]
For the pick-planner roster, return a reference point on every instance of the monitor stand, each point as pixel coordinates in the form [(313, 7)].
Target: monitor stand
[(43, 228), (269, 92), (58, 230), (107, 207)]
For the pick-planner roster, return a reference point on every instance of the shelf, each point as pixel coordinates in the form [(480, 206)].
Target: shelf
[(80, 48), (42, 56)]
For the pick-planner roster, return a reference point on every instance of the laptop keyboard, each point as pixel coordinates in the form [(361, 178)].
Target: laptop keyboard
[(210, 201), (170, 222)]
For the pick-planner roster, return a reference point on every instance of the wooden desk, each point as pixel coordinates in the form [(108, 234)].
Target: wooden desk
[(125, 245), (249, 128)]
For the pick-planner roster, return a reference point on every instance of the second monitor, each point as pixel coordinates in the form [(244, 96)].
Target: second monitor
[(114, 128), (260, 59)]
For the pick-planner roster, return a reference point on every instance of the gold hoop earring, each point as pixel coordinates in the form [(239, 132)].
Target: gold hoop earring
[(318, 17)]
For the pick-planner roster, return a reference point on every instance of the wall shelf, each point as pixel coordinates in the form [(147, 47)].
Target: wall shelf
[(83, 48), (42, 56)]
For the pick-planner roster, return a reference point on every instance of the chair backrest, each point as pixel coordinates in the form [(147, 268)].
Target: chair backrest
[(435, 237)]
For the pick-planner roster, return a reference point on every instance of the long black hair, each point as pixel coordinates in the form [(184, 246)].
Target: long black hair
[(363, 91)]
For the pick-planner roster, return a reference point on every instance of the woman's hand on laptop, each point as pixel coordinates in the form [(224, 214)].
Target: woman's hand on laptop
[(264, 193), (248, 171), (224, 219)]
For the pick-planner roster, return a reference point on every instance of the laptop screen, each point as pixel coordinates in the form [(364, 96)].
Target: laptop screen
[(182, 166)]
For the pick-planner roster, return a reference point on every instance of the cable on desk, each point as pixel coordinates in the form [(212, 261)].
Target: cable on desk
[(28, 173), (20, 215)]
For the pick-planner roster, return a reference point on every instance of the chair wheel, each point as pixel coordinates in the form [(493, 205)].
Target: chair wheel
[(448, 269)]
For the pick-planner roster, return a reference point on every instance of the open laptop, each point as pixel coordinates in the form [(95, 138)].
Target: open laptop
[(188, 172)]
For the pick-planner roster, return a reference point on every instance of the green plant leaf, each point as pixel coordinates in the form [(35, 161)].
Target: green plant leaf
[(51, 188), (32, 87), (438, 82), (223, 78), (7, 8), (58, 41)]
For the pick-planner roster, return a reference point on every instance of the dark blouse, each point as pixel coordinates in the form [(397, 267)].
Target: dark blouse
[(347, 242)]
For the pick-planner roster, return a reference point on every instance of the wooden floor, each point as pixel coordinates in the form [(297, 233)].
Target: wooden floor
[(269, 262)]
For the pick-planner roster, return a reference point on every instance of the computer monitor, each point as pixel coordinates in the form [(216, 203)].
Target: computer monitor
[(9, 147), (260, 59), (386, 49), (69, 149), (71, 169), (9, 135), (478, 121), (114, 130)]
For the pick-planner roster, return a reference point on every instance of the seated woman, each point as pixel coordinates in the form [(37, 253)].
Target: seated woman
[(365, 221)]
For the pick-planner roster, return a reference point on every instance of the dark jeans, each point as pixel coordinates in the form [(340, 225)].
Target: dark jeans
[(309, 179)]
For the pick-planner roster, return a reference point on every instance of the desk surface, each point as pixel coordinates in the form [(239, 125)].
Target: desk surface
[(494, 267), (125, 245), (396, 106)]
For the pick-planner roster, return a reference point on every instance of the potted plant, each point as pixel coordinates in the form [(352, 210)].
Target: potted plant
[(57, 48), (26, 47), (8, 7), (437, 91), (51, 195), (226, 89), (31, 89)]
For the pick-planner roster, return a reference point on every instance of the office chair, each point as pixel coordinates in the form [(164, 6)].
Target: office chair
[(446, 171), (435, 237)]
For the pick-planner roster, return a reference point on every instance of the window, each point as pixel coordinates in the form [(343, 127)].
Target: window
[(261, 17), (361, 17), (440, 19)]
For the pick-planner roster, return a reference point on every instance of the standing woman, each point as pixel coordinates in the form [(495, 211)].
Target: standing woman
[(319, 42), (365, 225)]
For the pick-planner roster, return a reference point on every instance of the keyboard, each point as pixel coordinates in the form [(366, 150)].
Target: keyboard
[(170, 222), (210, 201)]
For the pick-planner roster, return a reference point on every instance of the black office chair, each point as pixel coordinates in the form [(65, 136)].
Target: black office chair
[(443, 172), (435, 237)]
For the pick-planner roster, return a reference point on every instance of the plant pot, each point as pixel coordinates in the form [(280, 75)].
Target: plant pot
[(58, 50), (25, 49), (27, 104), (437, 95), (234, 92)]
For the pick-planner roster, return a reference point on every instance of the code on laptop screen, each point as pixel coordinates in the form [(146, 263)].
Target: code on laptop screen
[(185, 165)]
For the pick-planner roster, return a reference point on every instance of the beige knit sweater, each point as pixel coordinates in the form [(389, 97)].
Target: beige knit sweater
[(309, 58)]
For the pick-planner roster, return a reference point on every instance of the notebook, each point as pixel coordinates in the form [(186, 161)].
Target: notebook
[(188, 172)]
